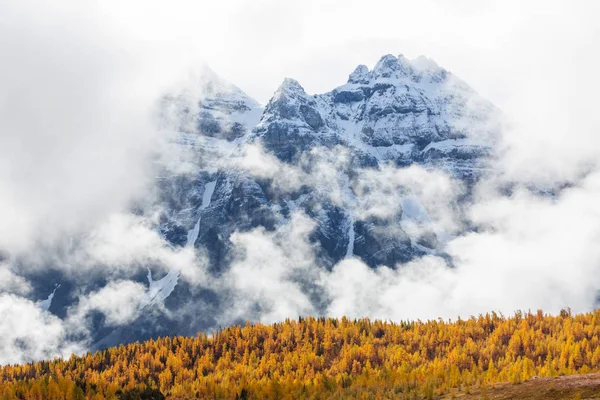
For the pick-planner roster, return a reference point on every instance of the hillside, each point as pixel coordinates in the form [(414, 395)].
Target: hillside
[(330, 358), (558, 387)]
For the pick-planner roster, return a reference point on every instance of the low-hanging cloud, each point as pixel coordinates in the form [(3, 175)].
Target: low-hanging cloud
[(266, 278), (365, 192), (78, 150), (127, 243), (30, 333), (530, 252), (119, 301), (11, 282)]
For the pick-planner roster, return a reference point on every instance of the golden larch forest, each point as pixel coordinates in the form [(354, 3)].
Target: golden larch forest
[(318, 358)]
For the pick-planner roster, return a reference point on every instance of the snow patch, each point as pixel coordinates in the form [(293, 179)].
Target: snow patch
[(45, 304), (159, 290), (413, 210), (192, 234), (450, 144), (351, 236), (208, 192)]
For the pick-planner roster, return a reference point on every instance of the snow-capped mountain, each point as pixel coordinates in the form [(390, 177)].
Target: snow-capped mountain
[(401, 113), (404, 111), (209, 106)]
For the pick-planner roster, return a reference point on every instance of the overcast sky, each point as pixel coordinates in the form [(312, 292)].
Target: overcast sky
[(498, 47), (493, 45), (533, 59), (78, 80)]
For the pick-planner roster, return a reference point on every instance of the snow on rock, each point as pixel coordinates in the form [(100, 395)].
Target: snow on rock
[(159, 290), (208, 105), (208, 192), (192, 235), (401, 112), (351, 237), (414, 211), (46, 303)]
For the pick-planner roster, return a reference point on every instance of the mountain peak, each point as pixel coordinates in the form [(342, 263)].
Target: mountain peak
[(207, 104), (390, 66), (290, 85), (359, 75), (399, 67)]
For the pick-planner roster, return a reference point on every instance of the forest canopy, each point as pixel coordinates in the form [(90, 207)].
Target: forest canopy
[(322, 358)]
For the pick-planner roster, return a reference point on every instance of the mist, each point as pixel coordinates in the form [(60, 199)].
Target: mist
[(79, 150)]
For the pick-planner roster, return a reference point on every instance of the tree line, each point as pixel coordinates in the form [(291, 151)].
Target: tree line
[(323, 358)]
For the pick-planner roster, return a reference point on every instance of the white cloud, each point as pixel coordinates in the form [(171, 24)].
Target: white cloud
[(125, 243), (120, 302), (529, 252), (380, 193), (10, 282), (420, 289), (77, 148), (265, 279), (29, 333)]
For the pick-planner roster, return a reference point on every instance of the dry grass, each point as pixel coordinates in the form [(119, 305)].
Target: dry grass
[(573, 387)]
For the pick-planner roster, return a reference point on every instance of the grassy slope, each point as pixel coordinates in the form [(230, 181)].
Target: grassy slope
[(563, 387)]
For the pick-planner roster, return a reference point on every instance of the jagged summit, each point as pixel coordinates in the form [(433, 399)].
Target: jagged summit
[(390, 67), (359, 75), (203, 83), (400, 113), (423, 63), (395, 111), (290, 85), (209, 105)]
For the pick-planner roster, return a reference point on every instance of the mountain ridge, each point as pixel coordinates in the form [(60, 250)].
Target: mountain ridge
[(352, 161)]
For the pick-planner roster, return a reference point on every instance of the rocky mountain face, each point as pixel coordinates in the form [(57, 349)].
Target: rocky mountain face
[(402, 112), (208, 106), (321, 150)]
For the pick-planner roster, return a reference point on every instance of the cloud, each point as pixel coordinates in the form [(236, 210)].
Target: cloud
[(417, 290), (78, 150), (29, 333), (119, 301), (526, 249), (427, 198), (127, 243), (74, 142), (255, 161), (538, 250), (269, 277), (78, 142), (528, 252), (380, 193), (11, 282)]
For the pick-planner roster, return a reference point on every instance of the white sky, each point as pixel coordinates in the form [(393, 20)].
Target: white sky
[(492, 45), (78, 79), (537, 59)]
